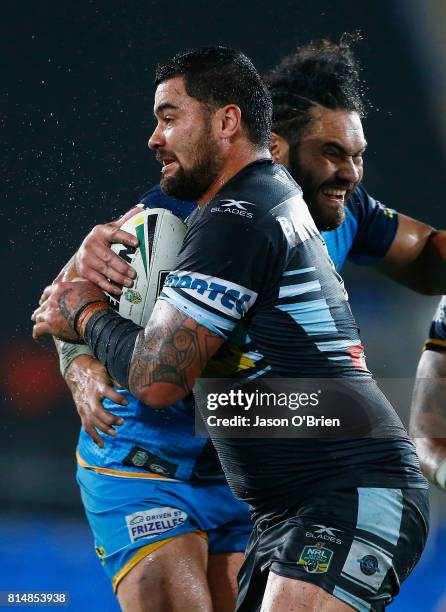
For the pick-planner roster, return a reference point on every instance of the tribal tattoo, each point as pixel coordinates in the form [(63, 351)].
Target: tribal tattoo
[(66, 312), (74, 298), (173, 351)]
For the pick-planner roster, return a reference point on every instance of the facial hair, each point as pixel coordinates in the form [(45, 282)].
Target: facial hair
[(326, 218), (190, 184)]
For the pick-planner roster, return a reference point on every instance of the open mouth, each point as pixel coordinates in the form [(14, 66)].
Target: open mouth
[(335, 196), (169, 164)]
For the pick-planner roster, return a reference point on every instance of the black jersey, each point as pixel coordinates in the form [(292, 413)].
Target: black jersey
[(254, 269)]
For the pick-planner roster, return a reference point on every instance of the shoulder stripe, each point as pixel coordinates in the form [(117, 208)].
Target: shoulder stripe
[(300, 289), (299, 271), (337, 345), (203, 317), (314, 316)]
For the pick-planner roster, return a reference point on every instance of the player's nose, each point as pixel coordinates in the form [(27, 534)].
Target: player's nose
[(157, 139), (349, 170)]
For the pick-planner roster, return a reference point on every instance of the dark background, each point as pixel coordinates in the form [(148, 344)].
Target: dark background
[(78, 114)]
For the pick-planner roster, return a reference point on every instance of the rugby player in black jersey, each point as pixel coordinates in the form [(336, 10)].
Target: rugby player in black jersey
[(318, 136), (340, 523)]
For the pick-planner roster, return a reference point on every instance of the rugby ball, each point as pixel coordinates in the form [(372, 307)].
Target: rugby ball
[(160, 234)]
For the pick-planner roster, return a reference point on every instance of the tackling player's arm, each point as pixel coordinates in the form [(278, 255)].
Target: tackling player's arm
[(417, 257), (85, 376), (428, 415), (89, 383), (95, 260), (158, 364)]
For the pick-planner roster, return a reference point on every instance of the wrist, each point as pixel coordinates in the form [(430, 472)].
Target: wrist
[(84, 313), (71, 353)]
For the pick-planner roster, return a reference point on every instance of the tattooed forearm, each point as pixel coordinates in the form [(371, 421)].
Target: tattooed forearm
[(66, 312), (174, 351), (75, 297)]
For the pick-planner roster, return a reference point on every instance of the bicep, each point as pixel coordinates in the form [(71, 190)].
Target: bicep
[(409, 242), (403, 261), (170, 355)]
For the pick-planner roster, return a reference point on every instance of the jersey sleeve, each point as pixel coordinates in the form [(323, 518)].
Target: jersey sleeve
[(155, 198), (437, 331), (223, 266), (376, 229)]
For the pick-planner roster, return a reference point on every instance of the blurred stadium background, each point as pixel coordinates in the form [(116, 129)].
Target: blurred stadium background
[(78, 115)]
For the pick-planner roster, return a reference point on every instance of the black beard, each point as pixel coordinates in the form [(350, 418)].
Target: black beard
[(188, 184), (324, 218), (192, 184)]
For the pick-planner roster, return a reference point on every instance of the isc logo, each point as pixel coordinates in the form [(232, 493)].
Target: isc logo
[(213, 290)]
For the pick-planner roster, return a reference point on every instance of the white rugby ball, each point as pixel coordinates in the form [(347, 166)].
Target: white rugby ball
[(160, 234)]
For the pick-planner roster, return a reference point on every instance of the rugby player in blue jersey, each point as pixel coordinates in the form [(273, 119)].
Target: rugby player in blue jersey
[(212, 149), (154, 467)]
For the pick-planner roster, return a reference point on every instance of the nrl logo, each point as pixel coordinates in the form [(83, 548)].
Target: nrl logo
[(315, 560)]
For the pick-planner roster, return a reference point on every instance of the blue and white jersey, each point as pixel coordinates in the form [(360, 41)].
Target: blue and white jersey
[(161, 444)]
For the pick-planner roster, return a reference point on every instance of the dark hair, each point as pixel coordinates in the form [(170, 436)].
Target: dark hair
[(217, 76), (321, 72)]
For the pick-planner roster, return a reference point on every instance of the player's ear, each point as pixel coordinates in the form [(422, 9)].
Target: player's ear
[(229, 120), (279, 149)]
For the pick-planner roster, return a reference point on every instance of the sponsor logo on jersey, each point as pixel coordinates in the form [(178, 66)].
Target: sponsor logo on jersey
[(369, 565), (366, 564), (324, 529), (315, 559), (389, 212), (324, 533), (233, 207), (158, 469), (295, 220), (148, 524), (213, 291), (141, 458)]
